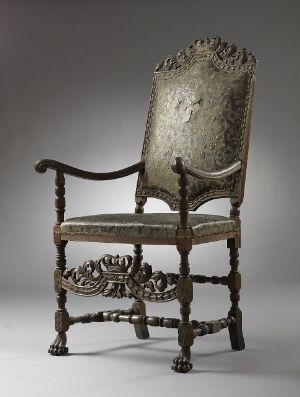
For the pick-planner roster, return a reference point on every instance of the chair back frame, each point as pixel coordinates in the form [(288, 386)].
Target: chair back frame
[(203, 143)]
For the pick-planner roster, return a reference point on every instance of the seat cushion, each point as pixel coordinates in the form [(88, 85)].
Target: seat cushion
[(144, 226)]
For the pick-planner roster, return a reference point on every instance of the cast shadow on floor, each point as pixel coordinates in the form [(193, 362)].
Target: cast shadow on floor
[(249, 361)]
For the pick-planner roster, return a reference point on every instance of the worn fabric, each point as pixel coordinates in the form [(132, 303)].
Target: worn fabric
[(197, 113), (155, 225)]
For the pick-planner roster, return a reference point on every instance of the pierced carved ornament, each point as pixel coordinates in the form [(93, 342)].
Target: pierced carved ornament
[(118, 277)]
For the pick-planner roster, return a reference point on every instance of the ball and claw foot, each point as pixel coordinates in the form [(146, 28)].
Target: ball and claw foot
[(58, 347), (181, 364)]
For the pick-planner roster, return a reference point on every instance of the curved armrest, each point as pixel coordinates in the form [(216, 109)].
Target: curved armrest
[(42, 166), (231, 169), (180, 167)]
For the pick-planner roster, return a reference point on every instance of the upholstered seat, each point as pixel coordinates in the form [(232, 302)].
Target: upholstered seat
[(157, 226)]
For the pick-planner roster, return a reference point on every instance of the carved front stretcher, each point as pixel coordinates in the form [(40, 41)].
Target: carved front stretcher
[(195, 150), (118, 277)]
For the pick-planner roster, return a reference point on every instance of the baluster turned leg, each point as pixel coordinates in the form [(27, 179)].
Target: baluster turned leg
[(139, 307), (182, 363), (234, 284), (58, 347)]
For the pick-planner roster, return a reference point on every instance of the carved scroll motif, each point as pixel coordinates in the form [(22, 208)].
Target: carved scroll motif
[(116, 277), (225, 55)]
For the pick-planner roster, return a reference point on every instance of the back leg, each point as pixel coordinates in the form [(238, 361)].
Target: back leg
[(234, 285), (141, 330)]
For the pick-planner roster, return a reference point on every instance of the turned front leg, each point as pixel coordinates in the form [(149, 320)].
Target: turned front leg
[(182, 363), (58, 347), (139, 307)]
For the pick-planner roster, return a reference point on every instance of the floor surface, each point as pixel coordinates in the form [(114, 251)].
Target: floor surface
[(107, 359)]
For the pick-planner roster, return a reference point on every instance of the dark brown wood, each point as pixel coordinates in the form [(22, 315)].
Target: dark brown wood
[(200, 279), (180, 169), (60, 201), (182, 363), (96, 316), (139, 307), (128, 316), (42, 166), (185, 288), (141, 330), (212, 327), (58, 347), (234, 285), (199, 328), (138, 250), (113, 276), (235, 215)]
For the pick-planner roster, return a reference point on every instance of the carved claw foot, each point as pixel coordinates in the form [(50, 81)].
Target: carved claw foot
[(58, 347), (181, 364)]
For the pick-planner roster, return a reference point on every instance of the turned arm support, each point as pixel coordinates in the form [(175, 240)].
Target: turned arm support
[(183, 170), (61, 169), (179, 168), (42, 166)]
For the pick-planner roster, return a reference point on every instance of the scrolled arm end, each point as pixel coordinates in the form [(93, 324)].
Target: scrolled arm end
[(41, 166)]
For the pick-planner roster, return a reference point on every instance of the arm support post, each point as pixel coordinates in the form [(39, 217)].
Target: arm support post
[(179, 168), (62, 169)]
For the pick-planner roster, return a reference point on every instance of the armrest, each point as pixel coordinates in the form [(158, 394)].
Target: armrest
[(231, 169), (42, 166)]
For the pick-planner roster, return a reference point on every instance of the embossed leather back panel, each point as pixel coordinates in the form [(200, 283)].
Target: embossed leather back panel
[(200, 110)]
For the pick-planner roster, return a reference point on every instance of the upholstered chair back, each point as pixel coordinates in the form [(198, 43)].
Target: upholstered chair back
[(200, 110)]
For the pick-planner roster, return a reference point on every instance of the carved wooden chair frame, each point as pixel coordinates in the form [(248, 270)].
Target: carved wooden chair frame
[(127, 276)]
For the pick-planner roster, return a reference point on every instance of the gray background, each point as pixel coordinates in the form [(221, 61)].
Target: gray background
[(75, 80)]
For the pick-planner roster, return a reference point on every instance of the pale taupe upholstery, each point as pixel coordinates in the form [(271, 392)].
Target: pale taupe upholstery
[(153, 226), (199, 112)]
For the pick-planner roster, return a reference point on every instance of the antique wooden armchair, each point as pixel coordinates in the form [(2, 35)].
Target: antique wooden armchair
[(195, 150)]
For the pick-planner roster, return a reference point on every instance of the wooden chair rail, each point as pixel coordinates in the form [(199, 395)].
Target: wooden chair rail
[(200, 279), (199, 328), (115, 276), (42, 166)]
